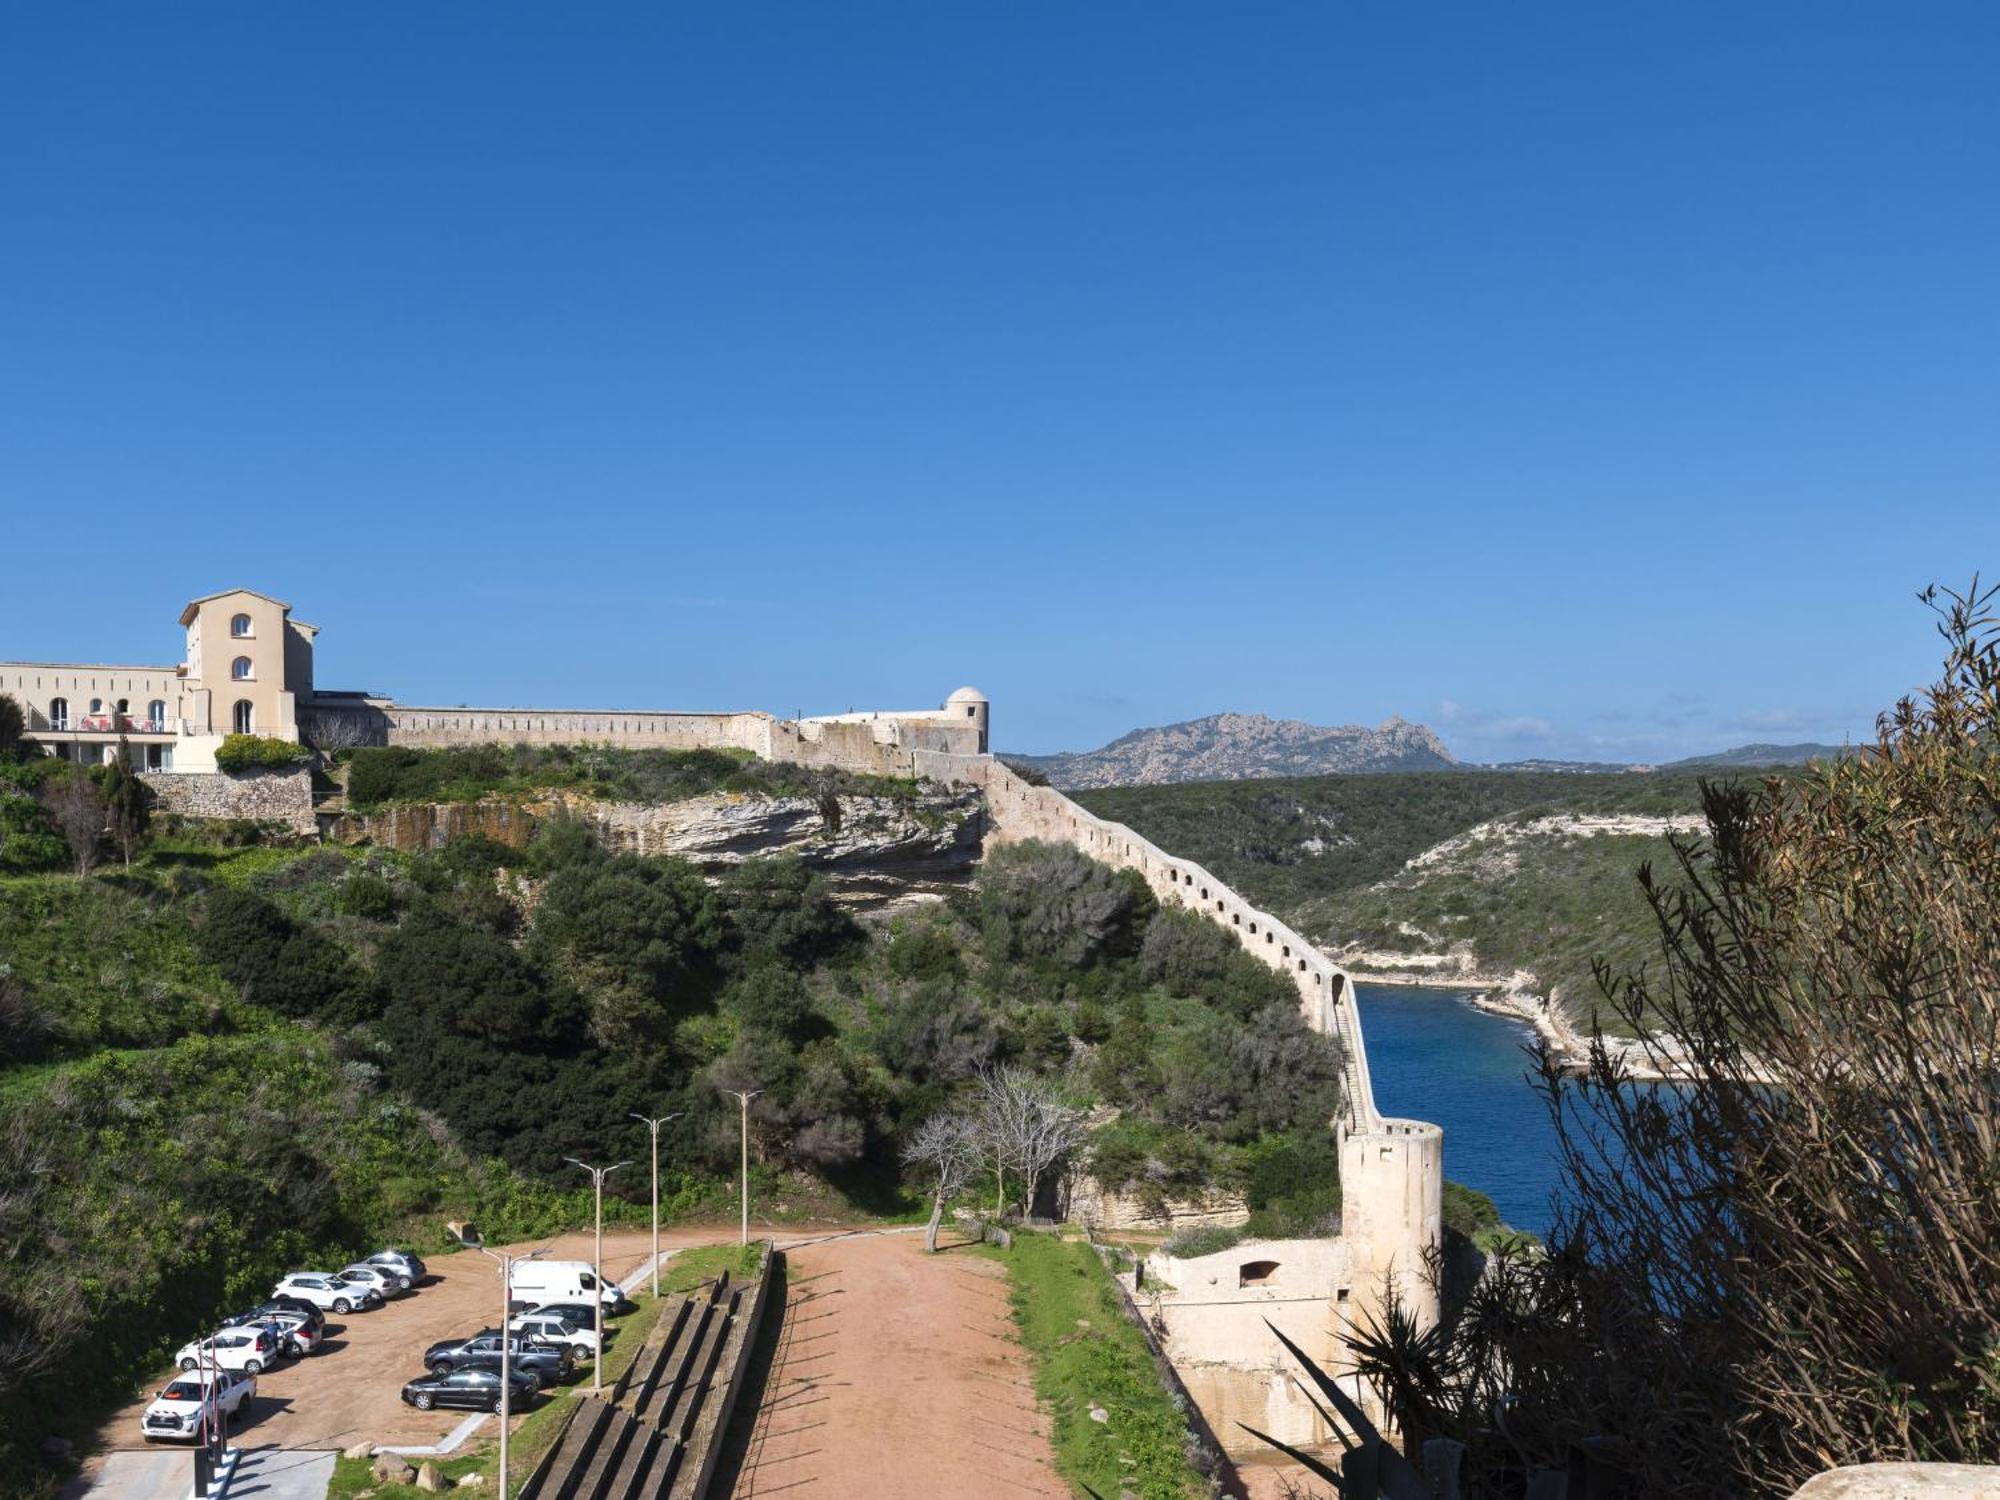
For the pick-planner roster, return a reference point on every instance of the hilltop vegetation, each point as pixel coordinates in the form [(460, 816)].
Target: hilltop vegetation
[(1329, 853), (227, 1061)]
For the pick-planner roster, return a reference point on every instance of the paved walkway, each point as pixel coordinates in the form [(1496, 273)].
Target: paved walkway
[(896, 1375)]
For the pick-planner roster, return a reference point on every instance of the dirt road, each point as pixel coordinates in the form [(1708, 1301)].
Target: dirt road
[(349, 1391), (897, 1374)]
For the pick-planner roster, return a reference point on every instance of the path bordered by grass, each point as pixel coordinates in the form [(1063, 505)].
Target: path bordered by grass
[(1087, 1353)]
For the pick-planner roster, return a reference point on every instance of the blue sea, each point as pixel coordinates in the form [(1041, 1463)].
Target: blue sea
[(1435, 1058)]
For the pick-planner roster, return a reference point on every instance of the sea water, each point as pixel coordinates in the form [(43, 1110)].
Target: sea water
[(1433, 1057)]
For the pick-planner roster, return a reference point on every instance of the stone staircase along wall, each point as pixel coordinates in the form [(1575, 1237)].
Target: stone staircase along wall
[(658, 1433)]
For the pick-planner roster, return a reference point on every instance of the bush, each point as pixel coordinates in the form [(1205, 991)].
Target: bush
[(1205, 1239), (248, 752)]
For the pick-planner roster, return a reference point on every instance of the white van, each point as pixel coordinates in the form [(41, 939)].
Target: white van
[(536, 1282)]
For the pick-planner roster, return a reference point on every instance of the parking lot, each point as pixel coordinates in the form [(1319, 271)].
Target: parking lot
[(348, 1392)]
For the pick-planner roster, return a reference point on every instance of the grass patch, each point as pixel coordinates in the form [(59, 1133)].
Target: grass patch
[(353, 1477), (1087, 1353)]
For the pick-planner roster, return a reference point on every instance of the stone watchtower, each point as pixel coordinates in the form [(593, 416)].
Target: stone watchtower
[(969, 704)]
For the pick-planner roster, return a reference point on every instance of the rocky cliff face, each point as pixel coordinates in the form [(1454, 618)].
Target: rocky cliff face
[(1231, 747), (873, 848)]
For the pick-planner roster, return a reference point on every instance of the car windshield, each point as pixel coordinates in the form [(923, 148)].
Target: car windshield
[(182, 1390)]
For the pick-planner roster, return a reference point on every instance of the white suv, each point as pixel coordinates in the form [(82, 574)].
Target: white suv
[(176, 1413), (324, 1289), (245, 1349), (380, 1278), (551, 1329)]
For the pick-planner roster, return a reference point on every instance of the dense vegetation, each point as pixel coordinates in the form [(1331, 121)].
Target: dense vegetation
[(227, 1060), (1328, 853), (377, 776)]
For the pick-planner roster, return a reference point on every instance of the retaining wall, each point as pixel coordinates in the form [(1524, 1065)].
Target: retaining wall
[(264, 796)]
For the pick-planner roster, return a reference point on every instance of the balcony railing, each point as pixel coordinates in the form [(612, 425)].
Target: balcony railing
[(106, 724)]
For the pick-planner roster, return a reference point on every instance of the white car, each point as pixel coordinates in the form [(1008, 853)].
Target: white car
[(551, 1329), (176, 1413), (246, 1349), (383, 1280), (325, 1289)]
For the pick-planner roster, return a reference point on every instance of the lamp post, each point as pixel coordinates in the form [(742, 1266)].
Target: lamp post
[(743, 1100), (506, 1406), (597, 1176), (653, 1126)]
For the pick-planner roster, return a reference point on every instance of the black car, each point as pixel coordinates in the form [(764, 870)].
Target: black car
[(583, 1314), (477, 1389), (548, 1362)]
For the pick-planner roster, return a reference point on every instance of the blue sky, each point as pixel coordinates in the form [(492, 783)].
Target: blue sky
[(1582, 380)]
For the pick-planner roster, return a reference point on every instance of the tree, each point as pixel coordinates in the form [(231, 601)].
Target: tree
[(13, 727), (946, 1148), (1786, 1261), (79, 813), (128, 802), (1023, 1123)]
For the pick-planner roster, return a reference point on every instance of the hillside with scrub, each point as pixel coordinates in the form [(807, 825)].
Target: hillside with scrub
[(223, 1057), (1481, 874)]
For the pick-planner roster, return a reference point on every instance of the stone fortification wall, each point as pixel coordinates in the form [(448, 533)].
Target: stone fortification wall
[(434, 727), (264, 796)]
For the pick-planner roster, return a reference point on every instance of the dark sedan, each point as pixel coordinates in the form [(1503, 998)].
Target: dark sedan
[(475, 1390)]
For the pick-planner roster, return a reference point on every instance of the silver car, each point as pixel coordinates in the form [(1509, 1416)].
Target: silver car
[(379, 1279)]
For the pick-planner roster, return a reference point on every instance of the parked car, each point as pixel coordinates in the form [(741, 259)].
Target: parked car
[(385, 1281), (176, 1413), (477, 1389), (551, 1329), (297, 1321), (328, 1290), (582, 1314), (299, 1305), (549, 1362), (405, 1263), (249, 1348)]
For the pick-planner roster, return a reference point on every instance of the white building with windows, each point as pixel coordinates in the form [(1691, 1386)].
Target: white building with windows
[(248, 666)]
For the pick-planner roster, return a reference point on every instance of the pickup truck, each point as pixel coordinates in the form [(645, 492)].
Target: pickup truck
[(176, 1413), (548, 1363)]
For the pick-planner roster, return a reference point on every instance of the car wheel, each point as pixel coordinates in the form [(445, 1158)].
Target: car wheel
[(342, 1305), (423, 1401), (442, 1367), (253, 1367), (187, 1364)]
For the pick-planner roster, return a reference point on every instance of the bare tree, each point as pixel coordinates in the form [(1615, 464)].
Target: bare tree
[(947, 1148), (331, 730), (1024, 1123), (79, 813)]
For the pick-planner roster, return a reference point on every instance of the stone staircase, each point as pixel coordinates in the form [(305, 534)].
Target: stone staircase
[(655, 1437)]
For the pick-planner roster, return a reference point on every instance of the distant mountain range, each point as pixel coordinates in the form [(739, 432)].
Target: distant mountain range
[(1241, 747), (1236, 747)]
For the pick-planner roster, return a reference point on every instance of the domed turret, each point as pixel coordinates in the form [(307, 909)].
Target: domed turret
[(970, 704)]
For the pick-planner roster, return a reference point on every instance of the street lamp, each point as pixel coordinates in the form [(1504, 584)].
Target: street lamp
[(597, 1176), (471, 1240), (653, 1126), (744, 1100)]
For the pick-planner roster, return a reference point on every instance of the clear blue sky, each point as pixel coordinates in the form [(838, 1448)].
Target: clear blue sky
[(1580, 379)]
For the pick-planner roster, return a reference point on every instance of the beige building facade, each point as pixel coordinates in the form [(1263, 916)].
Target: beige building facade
[(246, 666)]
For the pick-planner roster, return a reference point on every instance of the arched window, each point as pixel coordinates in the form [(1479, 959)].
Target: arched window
[(156, 715), (241, 719), (239, 626), (239, 669), (58, 713), (96, 707), (1257, 1273)]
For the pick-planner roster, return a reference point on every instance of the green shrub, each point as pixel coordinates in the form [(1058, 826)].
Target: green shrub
[(248, 752), (1205, 1239)]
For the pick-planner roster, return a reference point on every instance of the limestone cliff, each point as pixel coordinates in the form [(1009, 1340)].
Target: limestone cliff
[(873, 848), (1230, 747)]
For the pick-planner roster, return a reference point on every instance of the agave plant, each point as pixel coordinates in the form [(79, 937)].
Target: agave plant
[(1371, 1466)]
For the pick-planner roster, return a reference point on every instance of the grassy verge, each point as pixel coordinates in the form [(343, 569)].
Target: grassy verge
[(1088, 1355), (353, 1477)]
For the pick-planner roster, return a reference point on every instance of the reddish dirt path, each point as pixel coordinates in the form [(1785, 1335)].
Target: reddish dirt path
[(897, 1375)]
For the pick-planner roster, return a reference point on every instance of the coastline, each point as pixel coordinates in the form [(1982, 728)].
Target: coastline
[(1514, 996)]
